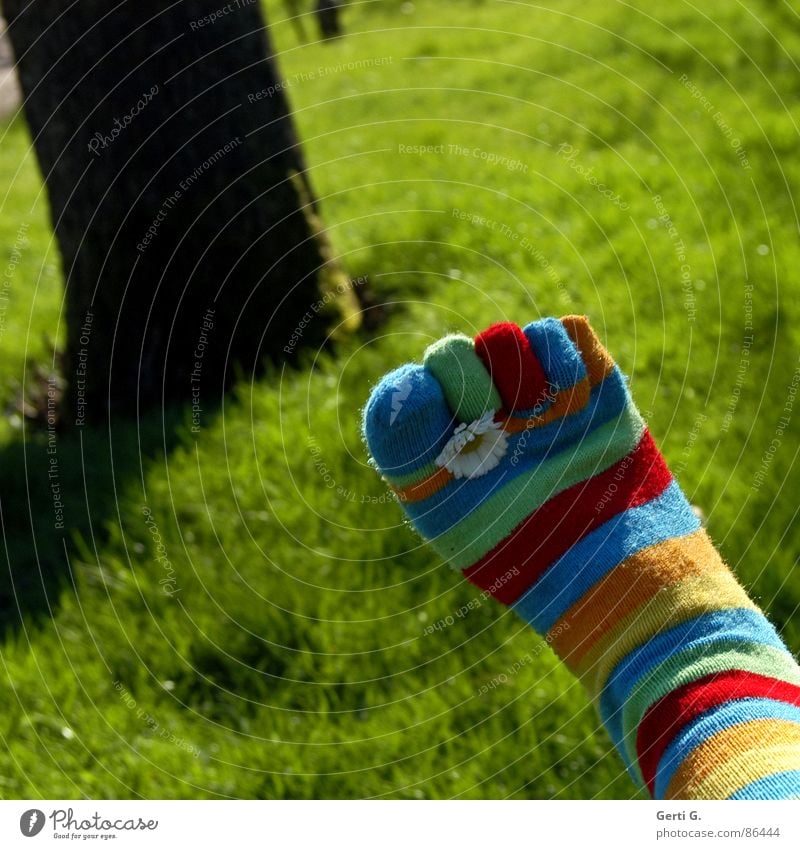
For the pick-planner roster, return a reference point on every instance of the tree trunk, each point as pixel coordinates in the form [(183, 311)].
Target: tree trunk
[(171, 163), (328, 18)]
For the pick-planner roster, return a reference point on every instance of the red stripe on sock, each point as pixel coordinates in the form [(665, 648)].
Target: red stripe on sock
[(666, 717), (565, 519), (515, 369)]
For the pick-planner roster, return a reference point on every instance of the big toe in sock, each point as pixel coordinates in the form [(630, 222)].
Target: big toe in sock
[(406, 421)]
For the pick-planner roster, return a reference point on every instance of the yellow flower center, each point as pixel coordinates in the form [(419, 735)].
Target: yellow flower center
[(472, 445)]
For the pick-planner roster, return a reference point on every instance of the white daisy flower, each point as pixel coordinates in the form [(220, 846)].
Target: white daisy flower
[(474, 449)]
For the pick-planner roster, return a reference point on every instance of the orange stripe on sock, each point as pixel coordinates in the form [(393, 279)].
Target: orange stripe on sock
[(598, 361), (633, 583), (654, 589), (565, 402), (735, 757), (425, 488), (686, 600)]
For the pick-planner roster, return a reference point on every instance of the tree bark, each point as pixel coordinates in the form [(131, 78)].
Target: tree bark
[(170, 158)]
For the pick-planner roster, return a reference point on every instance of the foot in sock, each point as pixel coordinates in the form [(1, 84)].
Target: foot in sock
[(522, 458)]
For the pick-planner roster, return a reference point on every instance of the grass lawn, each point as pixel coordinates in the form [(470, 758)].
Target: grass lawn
[(481, 161)]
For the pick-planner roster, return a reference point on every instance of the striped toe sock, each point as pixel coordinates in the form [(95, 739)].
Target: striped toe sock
[(522, 458)]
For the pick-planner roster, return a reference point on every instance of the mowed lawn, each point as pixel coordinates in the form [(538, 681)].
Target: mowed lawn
[(479, 161)]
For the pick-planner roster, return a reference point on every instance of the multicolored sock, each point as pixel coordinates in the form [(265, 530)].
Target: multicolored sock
[(522, 458)]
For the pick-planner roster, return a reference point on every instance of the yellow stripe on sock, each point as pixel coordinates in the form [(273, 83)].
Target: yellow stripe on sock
[(707, 589), (686, 600), (735, 757)]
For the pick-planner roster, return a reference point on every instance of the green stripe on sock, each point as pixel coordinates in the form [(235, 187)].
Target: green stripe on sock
[(401, 481), (480, 531)]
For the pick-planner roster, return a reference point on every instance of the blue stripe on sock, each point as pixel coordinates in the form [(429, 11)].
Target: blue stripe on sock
[(736, 625), (576, 572), (709, 723), (780, 785), (446, 508)]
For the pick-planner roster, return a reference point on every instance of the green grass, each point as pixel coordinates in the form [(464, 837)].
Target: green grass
[(293, 661)]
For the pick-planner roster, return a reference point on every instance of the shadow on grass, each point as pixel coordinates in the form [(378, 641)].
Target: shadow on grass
[(59, 491)]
